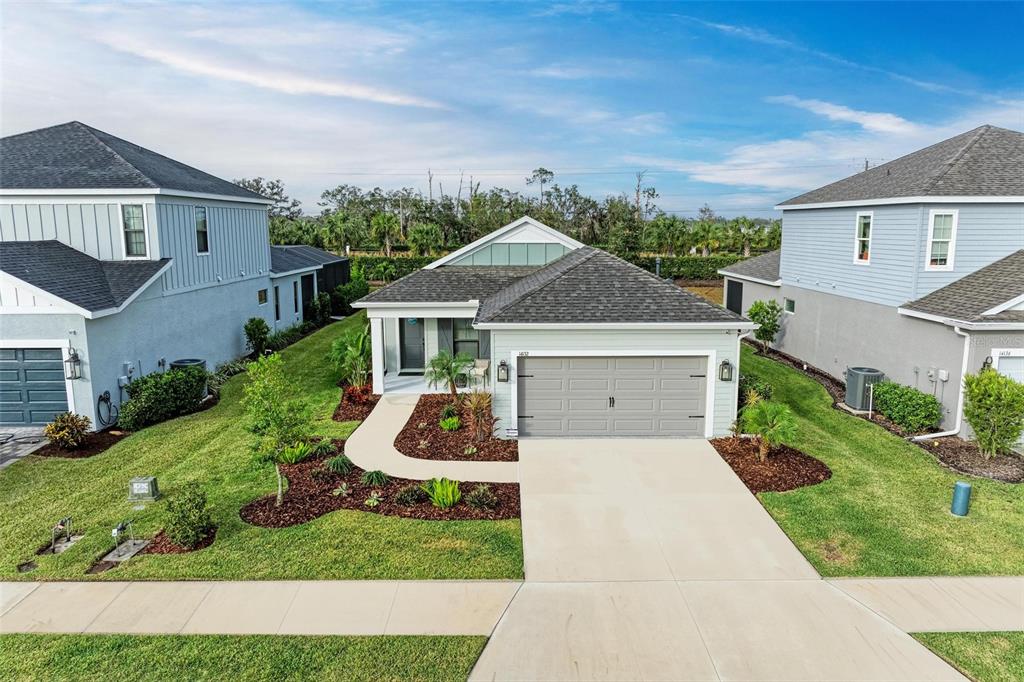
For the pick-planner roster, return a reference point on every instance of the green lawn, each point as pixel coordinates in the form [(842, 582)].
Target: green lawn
[(212, 448), (982, 656), (885, 511), (227, 657)]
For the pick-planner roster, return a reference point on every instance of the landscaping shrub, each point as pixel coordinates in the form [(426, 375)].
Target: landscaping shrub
[(68, 430), (400, 266), (280, 340), (225, 371), (358, 395), (449, 410), (374, 499), (320, 309), (477, 409), (443, 493), (688, 267), (375, 477), (188, 521), (351, 354), (906, 406), (994, 407), (761, 388), (410, 495), (293, 454), (340, 465), (346, 294), (445, 369), (256, 332), (482, 498), (771, 423), (161, 396), (322, 447), (450, 424), (767, 314)]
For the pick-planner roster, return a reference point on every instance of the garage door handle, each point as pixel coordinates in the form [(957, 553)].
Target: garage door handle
[(526, 416), (611, 401), (696, 416), (524, 376), (698, 376)]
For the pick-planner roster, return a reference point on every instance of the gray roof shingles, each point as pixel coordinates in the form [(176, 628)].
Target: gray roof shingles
[(986, 161), (76, 156), (290, 258), (74, 276), (764, 267), (969, 297), (451, 284)]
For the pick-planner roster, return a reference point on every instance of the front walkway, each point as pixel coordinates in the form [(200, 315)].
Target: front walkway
[(372, 446), (19, 441)]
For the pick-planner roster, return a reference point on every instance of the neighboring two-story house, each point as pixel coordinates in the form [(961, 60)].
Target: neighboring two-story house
[(914, 267), (116, 261)]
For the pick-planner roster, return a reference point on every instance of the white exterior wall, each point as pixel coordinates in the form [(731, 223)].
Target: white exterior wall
[(721, 344), (290, 287)]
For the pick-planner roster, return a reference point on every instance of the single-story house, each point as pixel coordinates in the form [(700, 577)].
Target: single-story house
[(573, 340)]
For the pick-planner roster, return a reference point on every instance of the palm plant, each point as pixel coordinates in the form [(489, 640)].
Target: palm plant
[(352, 355), (771, 423), (446, 369), (745, 231), (707, 236), (385, 230), (425, 239)]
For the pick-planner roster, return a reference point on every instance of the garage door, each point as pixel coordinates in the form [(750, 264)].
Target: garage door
[(32, 386), (614, 396)]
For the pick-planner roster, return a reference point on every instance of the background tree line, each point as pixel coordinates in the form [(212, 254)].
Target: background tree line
[(627, 224)]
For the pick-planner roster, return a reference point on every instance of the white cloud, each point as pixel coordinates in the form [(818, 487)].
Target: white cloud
[(869, 120), (578, 8)]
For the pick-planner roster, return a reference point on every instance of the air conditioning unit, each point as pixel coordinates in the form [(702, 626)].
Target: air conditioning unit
[(858, 379)]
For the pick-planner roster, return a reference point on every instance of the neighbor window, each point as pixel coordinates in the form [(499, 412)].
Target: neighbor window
[(862, 252), (277, 303), (790, 305), (941, 234), (261, 296), (295, 294), (467, 339), (202, 234), (134, 231)]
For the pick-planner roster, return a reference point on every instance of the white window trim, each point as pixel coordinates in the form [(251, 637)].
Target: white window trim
[(145, 231), (952, 239), (788, 312), (998, 353), (870, 215), (209, 243)]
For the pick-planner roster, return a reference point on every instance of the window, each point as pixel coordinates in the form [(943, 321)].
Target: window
[(202, 234), (261, 296), (862, 250), (789, 305), (134, 223), (295, 295), (467, 339), (941, 240), (277, 303)]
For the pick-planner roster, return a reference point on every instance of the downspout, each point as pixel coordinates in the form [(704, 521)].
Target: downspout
[(960, 398)]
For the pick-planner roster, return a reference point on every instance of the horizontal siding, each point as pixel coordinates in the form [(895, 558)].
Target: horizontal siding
[(818, 247), (504, 342)]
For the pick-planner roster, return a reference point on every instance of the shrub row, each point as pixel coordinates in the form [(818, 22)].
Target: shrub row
[(397, 266), (161, 396), (907, 407)]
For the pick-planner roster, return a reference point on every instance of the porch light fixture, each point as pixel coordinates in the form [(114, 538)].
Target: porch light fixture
[(725, 371), (73, 365), (502, 371), (987, 364)]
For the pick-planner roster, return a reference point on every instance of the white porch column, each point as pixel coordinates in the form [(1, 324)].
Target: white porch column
[(377, 353)]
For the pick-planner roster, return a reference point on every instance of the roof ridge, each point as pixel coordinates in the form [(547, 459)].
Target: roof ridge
[(529, 292), (92, 132), (980, 132)]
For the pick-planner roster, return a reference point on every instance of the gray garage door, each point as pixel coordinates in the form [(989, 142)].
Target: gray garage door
[(32, 387), (615, 396)]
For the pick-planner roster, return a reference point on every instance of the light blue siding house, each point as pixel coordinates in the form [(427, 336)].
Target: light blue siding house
[(913, 267), (114, 262)]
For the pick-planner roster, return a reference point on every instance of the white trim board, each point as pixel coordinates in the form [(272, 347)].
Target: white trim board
[(711, 378), (951, 253), (738, 325), (904, 200), (951, 322), (488, 239), (747, 278), (63, 344), (129, 192), (1003, 307), (311, 268)]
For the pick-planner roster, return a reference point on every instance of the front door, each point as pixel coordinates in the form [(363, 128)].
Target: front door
[(307, 295), (734, 296), (411, 331)]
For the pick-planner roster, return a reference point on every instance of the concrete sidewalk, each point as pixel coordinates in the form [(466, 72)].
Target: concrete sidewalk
[(372, 446), (355, 607)]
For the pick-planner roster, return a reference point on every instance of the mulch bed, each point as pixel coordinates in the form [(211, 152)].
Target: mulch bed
[(95, 443), (448, 445), (162, 544), (351, 412), (309, 496), (964, 457), (785, 469)]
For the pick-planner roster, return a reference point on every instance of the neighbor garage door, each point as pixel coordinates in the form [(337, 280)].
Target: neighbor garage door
[(613, 396), (32, 386)]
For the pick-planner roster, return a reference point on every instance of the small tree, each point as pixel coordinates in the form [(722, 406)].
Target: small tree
[(385, 230), (256, 332), (771, 423), (444, 368), (994, 407), (188, 519), (767, 315)]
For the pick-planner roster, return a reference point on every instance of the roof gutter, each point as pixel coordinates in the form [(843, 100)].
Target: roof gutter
[(748, 278), (738, 325), (903, 200), (960, 398), (963, 324), (416, 304), (311, 268), (132, 191)]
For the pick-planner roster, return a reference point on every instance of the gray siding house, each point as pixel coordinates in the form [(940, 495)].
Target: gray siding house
[(914, 267), (114, 262), (571, 340)]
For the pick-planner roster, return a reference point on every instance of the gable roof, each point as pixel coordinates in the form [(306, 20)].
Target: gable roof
[(92, 285), (979, 296), (984, 162), (74, 156), (456, 284), (763, 268), (590, 286), (525, 221), (291, 258)]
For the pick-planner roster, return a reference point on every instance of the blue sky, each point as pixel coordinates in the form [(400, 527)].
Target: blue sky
[(739, 105)]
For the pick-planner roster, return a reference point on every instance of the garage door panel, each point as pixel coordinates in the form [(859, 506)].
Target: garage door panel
[(40, 376), (8, 396), (654, 396), (32, 385), (47, 396), (9, 375)]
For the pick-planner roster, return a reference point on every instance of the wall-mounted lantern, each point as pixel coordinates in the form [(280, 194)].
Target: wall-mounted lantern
[(725, 371), (73, 365), (987, 364), (502, 371)]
